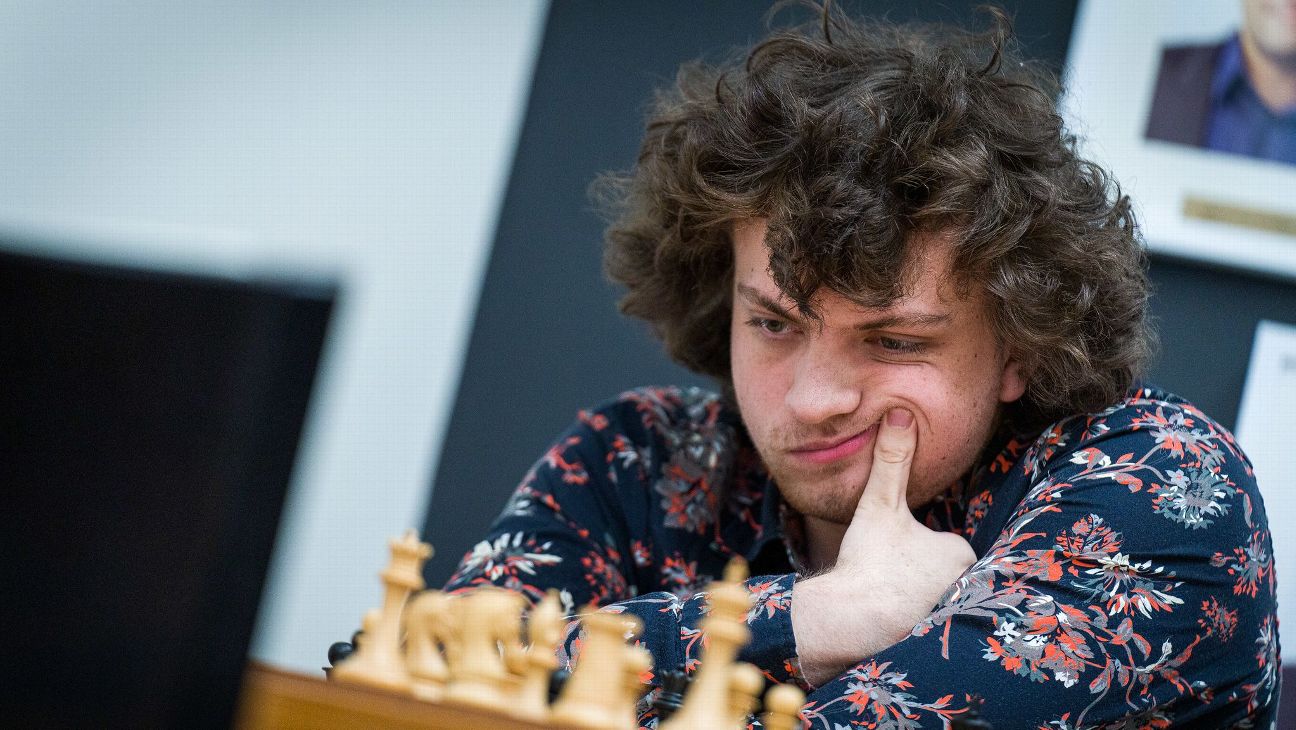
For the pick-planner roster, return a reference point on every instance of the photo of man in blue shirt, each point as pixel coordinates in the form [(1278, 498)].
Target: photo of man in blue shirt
[(1237, 96)]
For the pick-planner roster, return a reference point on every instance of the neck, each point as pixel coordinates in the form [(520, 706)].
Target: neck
[(1274, 81), (823, 541)]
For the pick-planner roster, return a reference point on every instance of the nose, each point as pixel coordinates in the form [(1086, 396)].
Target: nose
[(822, 387)]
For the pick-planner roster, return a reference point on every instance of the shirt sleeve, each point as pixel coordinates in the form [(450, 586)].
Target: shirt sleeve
[(561, 528), (1133, 584), (568, 526)]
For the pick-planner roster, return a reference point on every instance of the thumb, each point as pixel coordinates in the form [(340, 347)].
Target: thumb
[(888, 481)]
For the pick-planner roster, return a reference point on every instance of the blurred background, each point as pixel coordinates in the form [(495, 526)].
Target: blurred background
[(363, 143), (425, 165)]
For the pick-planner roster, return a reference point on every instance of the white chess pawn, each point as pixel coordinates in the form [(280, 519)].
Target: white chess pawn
[(783, 704), (745, 684), (544, 631)]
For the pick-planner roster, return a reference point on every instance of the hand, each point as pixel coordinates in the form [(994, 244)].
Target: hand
[(890, 572)]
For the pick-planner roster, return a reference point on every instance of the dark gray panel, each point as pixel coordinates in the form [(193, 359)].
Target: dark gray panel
[(547, 339), (1207, 317)]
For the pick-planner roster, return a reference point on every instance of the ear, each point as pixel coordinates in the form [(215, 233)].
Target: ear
[(1012, 381)]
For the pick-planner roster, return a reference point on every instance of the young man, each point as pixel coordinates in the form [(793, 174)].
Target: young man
[(926, 315)]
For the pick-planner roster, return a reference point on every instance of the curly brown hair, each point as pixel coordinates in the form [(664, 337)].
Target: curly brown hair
[(852, 136)]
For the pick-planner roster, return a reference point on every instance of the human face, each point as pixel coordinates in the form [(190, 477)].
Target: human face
[(811, 396), (1271, 24)]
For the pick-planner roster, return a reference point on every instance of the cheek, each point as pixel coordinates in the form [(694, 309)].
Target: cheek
[(758, 390), (740, 357), (953, 413), (755, 378), (761, 366)]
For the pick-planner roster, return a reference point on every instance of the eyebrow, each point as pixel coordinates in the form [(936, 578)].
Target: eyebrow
[(754, 296), (916, 319)]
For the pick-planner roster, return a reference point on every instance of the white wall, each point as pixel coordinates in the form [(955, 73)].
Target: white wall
[(370, 140)]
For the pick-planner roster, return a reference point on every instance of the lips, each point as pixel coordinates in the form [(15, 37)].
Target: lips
[(829, 451)]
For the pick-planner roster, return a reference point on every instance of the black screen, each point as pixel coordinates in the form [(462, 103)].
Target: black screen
[(149, 425)]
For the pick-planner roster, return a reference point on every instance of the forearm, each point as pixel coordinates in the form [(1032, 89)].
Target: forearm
[(833, 632)]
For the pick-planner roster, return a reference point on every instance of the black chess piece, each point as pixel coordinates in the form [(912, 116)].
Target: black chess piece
[(340, 650), (972, 720), (556, 682), (671, 697)]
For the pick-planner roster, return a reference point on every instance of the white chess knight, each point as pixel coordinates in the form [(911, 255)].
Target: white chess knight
[(429, 626), (487, 620)]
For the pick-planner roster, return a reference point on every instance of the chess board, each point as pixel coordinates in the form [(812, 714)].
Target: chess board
[(274, 699), (488, 658)]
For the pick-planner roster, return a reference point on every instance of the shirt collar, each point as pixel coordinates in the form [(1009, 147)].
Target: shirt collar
[(775, 527)]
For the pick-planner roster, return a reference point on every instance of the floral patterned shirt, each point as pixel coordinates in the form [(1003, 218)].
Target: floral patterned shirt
[(1124, 574)]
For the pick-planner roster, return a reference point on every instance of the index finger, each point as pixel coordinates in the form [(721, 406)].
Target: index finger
[(888, 482)]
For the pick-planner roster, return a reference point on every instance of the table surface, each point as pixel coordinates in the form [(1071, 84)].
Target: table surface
[(275, 699)]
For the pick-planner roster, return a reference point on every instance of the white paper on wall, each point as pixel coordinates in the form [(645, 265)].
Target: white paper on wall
[(1264, 432)]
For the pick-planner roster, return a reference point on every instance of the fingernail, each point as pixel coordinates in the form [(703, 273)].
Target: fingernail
[(899, 417)]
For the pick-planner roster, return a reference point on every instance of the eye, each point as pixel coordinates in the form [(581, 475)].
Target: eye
[(898, 346), (769, 326)]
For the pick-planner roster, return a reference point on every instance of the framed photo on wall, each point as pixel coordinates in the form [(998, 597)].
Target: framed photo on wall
[(1192, 105)]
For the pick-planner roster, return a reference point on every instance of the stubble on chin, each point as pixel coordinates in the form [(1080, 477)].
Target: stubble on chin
[(825, 495), (826, 491)]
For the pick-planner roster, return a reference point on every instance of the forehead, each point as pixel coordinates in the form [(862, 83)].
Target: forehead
[(931, 287)]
